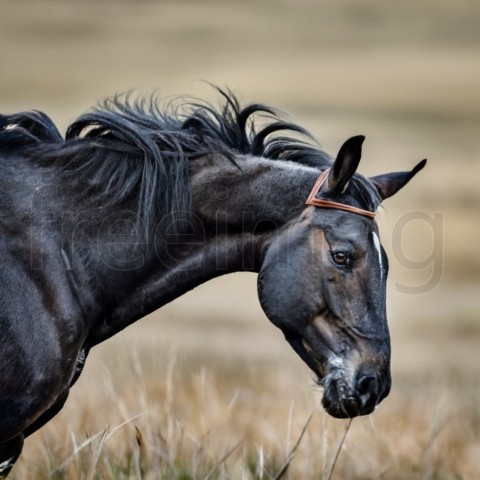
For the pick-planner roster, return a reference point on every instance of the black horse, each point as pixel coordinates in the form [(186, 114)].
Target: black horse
[(139, 204)]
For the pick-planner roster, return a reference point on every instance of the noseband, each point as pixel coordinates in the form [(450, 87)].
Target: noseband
[(318, 202)]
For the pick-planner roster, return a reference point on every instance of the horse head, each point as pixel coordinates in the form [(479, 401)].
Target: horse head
[(323, 283)]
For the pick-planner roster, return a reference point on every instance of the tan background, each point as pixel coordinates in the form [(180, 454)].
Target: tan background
[(209, 370)]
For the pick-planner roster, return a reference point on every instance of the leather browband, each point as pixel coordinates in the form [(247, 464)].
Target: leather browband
[(317, 202)]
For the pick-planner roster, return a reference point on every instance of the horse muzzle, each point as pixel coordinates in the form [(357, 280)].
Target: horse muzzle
[(350, 390), (348, 396)]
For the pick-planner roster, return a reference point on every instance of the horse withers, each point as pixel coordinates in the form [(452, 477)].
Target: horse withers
[(139, 204)]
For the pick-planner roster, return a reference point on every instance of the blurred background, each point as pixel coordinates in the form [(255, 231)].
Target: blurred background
[(207, 387)]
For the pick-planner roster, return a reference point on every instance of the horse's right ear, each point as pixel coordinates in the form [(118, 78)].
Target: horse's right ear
[(390, 183), (345, 164)]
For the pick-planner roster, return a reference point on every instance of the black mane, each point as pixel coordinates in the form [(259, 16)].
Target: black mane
[(133, 149)]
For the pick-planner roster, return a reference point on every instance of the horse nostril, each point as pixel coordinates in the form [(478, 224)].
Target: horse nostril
[(366, 385)]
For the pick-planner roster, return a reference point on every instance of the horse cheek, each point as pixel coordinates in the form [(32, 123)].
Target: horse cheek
[(284, 294)]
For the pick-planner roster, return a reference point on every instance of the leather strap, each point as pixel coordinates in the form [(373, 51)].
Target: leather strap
[(318, 202)]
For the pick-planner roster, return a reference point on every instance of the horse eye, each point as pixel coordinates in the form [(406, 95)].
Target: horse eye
[(340, 258)]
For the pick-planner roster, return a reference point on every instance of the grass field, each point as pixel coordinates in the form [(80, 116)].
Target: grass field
[(207, 387)]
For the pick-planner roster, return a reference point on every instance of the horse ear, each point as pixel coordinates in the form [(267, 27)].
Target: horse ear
[(390, 183), (345, 164)]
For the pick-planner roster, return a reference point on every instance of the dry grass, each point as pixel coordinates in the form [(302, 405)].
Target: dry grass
[(242, 422), (206, 388)]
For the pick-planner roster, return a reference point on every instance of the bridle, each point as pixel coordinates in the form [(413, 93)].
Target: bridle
[(319, 202)]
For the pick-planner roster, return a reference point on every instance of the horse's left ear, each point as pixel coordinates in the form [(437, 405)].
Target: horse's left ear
[(345, 164), (390, 183)]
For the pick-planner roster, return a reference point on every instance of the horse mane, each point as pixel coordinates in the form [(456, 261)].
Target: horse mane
[(27, 129), (134, 148)]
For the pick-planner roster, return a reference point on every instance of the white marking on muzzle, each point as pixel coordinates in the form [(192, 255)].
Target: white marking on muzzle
[(343, 373), (336, 362), (6, 464), (378, 248)]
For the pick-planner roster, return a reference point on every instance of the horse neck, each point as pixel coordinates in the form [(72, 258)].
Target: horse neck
[(237, 210)]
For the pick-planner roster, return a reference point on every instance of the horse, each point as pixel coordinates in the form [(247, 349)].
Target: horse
[(142, 201)]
